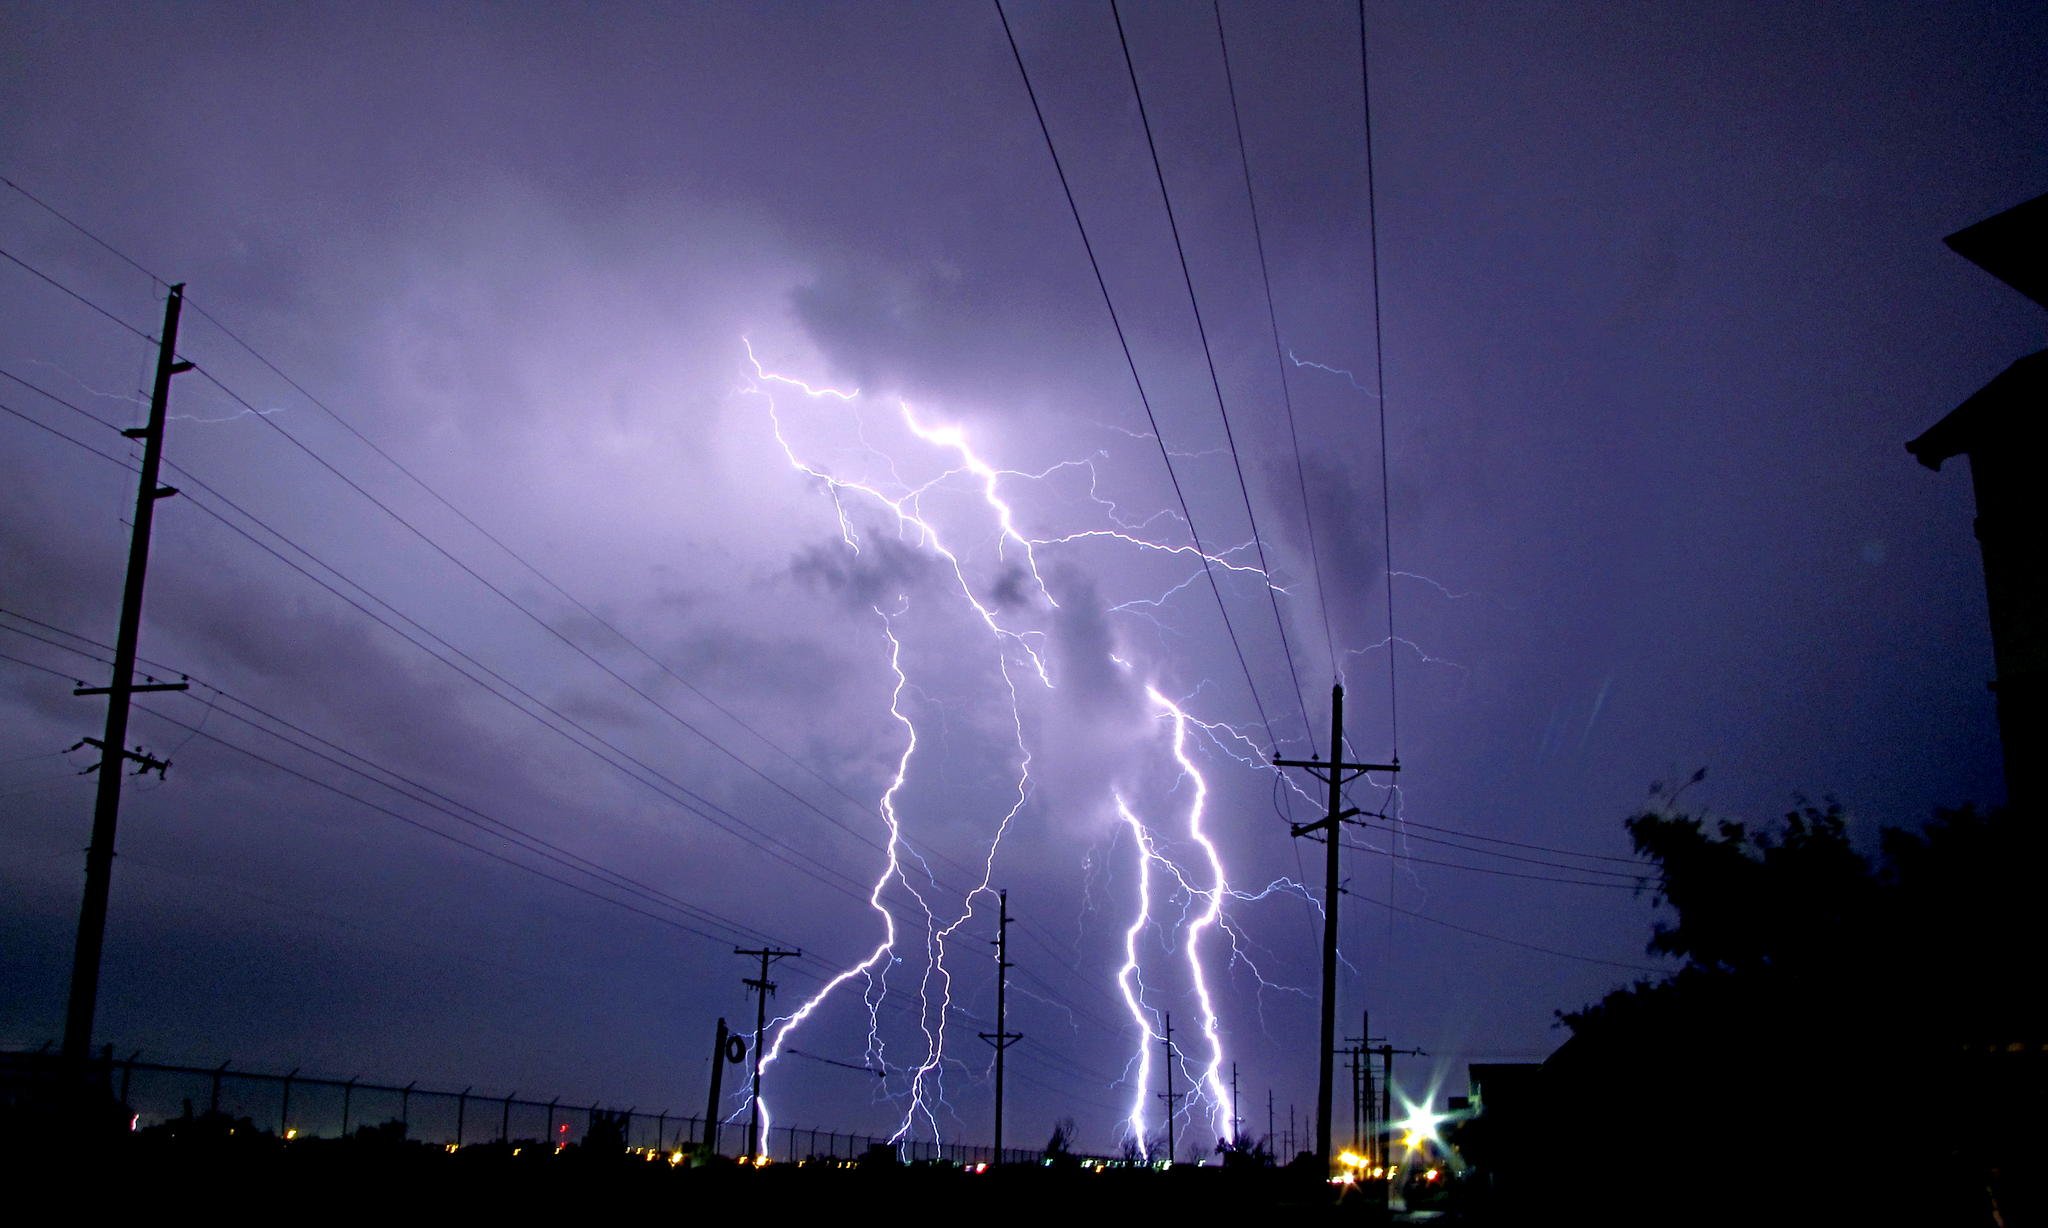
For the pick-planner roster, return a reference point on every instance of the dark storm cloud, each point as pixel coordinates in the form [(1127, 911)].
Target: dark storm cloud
[(1085, 643), (1344, 502), (1663, 292), (881, 573)]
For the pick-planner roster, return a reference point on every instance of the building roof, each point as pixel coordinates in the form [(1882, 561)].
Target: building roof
[(1993, 414), (2011, 246)]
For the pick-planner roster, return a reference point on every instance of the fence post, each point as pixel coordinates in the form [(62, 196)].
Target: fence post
[(661, 1131), (461, 1113), (405, 1109), (348, 1094), (548, 1135), (505, 1118), (127, 1073), (213, 1108)]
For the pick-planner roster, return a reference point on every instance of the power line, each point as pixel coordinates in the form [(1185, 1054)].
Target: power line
[(430, 829), (1379, 366), (1636, 876), (1273, 322), (433, 799), (765, 842), (52, 210), (76, 443), (696, 804), (1638, 885), (1539, 848), (435, 545), (64, 289), (856, 889), (1209, 356), (1513, 942), (1144, 400), (200, 484)]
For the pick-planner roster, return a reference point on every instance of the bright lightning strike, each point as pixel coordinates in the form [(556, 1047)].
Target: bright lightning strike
[(992, 567)]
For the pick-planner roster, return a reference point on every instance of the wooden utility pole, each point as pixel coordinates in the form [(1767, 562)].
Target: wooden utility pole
[(1336, 774), (1387, 1053), (1002, 1038), (1236, 1122), (762, 987), (1169, 1095), (717, 1092), (1351, 1064), (113, 744), (1363, 1125)]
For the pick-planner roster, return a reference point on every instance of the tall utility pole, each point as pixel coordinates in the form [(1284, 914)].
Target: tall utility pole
[(1271, 1142), (99, 856), (1169, 1095), (1236, 1121), (1334, 774), (1387, 1053), (1002, 1038), (711, 1108), (762, 987), (1351, 1063), (1361, 1051)]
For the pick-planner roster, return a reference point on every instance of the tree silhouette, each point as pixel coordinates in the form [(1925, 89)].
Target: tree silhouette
[(1846, 1037)]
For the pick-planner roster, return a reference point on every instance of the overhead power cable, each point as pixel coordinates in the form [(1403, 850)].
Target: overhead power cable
[(1537, 848), (1280, 364), (1635, 876), (1640, 883), (482, 531), (1209, 357), (1379, 369), (851, 887), (66, 290), (1144, 400), (1500, 938), (646, 775)]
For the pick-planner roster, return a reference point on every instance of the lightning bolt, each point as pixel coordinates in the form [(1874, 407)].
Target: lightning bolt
[(1132, 988), (876, 985), (882, 500), (1211, 1079)]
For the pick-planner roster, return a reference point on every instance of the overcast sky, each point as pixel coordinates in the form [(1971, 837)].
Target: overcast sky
[(1663, 294)]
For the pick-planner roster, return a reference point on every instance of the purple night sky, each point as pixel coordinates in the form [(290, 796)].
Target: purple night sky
[(1663, 296)]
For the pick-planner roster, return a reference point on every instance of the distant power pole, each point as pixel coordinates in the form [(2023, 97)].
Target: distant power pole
[(1001, 1038), (1360, 1051), (1387, 1053), (762, 987), (1236, 1121), (1334, 774), (711, 1108), (1351, 1064), (1169, 1095), (113, 744), (1271, 1142)]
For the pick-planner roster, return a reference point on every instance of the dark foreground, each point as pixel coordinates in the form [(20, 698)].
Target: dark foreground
[(332, 1177)]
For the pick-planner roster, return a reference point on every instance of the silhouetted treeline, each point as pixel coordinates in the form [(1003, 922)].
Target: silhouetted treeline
[(1850, 1040)]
